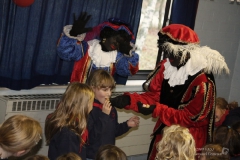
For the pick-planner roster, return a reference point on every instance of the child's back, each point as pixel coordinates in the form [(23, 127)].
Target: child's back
[(65, 128)]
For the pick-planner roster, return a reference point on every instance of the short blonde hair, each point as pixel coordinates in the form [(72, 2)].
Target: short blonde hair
[(69, 156), (37, 157), (110, 152), (19, 132), (177, 143), (101, 79)]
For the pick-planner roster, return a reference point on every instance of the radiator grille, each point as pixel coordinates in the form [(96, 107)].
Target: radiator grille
[(33, 102), (36, 102)]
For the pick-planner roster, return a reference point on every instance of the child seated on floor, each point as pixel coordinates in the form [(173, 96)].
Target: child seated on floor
[(110, 152), (214, 152), (176, 143)]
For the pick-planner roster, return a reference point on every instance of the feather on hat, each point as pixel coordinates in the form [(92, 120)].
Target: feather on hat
[(210, 60)]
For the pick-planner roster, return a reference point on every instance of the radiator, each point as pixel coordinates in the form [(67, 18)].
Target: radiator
[(38, 106)]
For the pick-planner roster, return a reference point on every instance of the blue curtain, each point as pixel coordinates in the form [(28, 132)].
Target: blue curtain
[(28, 37), (184, 12)]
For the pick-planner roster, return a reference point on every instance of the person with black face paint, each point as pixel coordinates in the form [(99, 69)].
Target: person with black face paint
[(181, 90), (107, 46)]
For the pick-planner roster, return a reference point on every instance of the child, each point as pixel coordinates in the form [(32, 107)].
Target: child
[(69, 156), (236, 126), (228, 138), (37, 157), (176, 143), (110, 152), (226, 113), (214, 152), (18, 135), (65, 128), (103, 123)]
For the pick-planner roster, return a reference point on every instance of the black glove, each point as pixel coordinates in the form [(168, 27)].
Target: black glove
[(146, 110), (120, 101), (124, 46), (79, 24)]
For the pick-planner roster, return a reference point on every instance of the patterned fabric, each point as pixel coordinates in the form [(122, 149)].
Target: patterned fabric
[(192, 106), (88, 57)]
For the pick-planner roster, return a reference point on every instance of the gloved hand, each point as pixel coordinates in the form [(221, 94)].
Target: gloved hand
[(145, 109), (120, 101), (125, 48), (79, 24)]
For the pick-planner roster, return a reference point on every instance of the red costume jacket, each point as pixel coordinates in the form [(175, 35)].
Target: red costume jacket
[(190, 105)]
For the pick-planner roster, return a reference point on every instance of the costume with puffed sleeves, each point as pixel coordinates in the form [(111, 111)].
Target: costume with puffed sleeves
[(184, 95), (89, 56)]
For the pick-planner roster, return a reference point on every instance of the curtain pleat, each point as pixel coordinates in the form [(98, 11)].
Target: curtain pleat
[(184, 12)]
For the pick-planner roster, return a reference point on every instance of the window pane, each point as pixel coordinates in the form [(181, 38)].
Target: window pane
[(151, 21)]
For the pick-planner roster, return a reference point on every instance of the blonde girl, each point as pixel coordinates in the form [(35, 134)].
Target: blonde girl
[(177, 144), (18, 135), (65, 128)]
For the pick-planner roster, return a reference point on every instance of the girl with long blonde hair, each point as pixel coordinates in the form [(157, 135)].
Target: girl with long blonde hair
[(65, 128)]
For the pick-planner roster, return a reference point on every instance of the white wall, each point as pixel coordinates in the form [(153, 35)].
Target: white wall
[(218, 26)]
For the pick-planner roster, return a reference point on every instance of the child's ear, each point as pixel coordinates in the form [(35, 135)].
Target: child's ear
[(20, 153)]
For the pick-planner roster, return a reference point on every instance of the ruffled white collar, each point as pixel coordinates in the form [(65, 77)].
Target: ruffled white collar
[(179, 76), (99, 57)]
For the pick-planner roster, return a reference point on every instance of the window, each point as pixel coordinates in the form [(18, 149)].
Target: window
[(151, 21)]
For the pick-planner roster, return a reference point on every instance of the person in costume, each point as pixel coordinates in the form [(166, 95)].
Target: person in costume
[(181, 90), (103, 126), (107, 46)]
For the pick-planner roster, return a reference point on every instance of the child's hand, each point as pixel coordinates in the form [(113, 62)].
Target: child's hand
[(133, 121), (106, 107)]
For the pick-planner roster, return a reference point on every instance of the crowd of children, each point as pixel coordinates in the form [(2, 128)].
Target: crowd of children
[(84, 126)]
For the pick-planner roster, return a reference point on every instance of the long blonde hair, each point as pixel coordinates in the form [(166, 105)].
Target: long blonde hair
[(72, 111), (176, 143), (19, 132)]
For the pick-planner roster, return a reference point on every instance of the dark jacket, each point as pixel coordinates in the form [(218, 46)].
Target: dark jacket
[(103, 128), (232, 117), (65, 141)]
